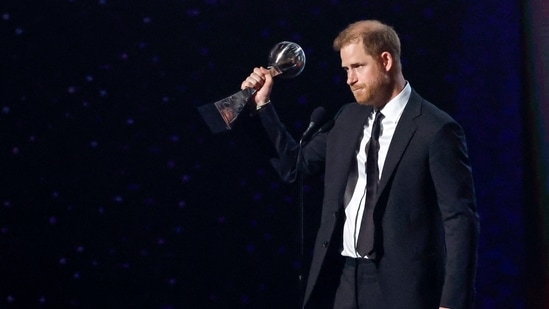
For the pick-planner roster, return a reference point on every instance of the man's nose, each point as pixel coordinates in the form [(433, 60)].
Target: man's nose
[(351, 77)]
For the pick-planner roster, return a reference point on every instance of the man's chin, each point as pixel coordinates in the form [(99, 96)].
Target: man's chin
[(363, 102)]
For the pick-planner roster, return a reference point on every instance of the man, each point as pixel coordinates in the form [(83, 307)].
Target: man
[(401, 230)]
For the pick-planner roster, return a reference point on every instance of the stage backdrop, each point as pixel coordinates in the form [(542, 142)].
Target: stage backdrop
[(115, 194), (536, 111)]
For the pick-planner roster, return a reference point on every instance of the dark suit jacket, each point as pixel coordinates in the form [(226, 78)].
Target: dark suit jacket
[(426, 225)]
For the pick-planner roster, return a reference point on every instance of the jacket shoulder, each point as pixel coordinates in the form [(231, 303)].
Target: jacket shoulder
[(427, 111)]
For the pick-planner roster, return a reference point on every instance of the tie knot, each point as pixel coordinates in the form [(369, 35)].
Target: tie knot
[(378, 116), (375, 126)]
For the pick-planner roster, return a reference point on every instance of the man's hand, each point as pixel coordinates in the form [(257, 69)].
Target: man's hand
[(262, 81)]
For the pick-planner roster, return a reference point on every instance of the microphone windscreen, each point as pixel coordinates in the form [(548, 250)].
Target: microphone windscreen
[(318, 115)]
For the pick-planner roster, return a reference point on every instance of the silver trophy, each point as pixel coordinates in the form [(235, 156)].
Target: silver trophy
[(286, 59)]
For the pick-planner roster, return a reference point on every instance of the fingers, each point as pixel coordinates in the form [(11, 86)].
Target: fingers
[(267, 75), (256, 79)]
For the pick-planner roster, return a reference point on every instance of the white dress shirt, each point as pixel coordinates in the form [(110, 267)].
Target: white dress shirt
[(353, 211)]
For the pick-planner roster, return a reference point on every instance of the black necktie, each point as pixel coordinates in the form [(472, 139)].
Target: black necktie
[(365, 243)]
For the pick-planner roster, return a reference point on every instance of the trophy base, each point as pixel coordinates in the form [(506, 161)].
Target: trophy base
[(221, 115), (213, 119)]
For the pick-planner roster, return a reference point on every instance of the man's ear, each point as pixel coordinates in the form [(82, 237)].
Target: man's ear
[(387, 61)]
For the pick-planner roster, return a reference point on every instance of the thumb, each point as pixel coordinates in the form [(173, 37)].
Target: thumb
[(264, 93)]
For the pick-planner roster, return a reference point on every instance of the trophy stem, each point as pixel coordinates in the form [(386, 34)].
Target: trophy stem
[(275, 70)]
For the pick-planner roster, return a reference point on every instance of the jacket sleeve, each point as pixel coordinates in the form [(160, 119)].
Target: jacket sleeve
[(311, 156), (452, 177)]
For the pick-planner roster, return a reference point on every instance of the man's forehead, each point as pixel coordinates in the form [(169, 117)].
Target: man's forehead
[(353, 52)]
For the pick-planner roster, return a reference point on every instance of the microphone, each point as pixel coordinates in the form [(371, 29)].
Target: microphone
[(317, 117), (326, 127)]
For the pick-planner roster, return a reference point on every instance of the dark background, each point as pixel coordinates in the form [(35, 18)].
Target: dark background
[(114, 193)]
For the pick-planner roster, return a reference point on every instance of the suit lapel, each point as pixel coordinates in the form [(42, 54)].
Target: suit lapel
[(403, 134), (354, 128), (345, 138)]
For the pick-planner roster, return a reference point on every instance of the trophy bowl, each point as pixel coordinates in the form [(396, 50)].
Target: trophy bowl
[(287, 59)]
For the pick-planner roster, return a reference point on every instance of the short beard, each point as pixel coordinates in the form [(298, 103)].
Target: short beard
[(375, 92)]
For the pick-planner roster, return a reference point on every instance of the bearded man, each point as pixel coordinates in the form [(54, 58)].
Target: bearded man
[(399, 226)]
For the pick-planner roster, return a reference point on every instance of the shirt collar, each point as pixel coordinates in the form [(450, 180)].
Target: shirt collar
[(394, 108)]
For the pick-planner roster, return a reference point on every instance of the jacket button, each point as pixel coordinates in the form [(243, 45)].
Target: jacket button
[(325, 244), (334, 214)]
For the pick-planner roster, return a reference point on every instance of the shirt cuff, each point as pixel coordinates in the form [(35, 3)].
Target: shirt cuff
[(259, 107)]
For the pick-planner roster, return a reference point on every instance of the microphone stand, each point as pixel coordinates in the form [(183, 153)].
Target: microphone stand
[(301, 221), (302, 142)]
